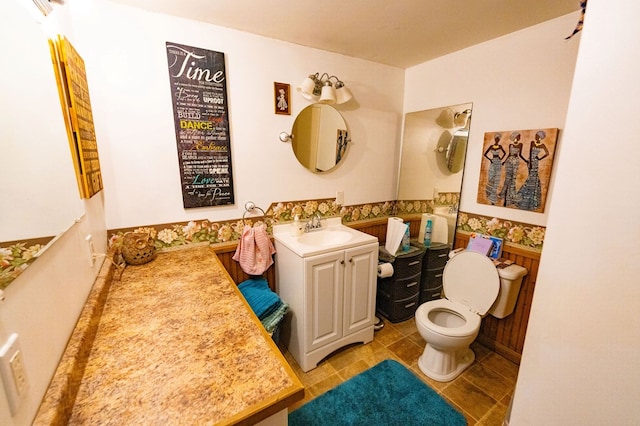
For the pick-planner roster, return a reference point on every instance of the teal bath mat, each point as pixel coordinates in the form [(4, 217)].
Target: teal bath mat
[(386, 394)]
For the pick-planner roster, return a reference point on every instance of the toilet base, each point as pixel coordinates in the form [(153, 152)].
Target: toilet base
[(444, 366)]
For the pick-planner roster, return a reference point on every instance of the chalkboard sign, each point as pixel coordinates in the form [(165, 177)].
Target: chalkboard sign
[(199, 95)]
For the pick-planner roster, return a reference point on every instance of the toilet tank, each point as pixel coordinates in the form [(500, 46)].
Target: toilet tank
[(510, 281)]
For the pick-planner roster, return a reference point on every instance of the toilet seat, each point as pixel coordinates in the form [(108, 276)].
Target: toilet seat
[(472, 320), (471, 279)]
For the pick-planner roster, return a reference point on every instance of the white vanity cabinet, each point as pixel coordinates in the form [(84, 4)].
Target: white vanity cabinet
[(331, 296)]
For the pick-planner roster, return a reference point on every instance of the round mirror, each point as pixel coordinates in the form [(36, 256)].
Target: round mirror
[(319, 137), (451, 149), (456, 150)]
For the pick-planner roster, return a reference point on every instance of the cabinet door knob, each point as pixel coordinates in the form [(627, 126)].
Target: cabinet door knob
[(351, 260), (342, 262)]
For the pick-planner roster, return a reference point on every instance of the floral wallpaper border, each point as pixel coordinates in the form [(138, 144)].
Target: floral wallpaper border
[(16, 258), (530, 237), (174, 235)]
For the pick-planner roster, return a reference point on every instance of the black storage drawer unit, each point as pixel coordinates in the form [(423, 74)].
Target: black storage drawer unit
[(436, 256), (398, 310), (398, 296), (401, 288), (435, 259), (409, 265), (432, 279), (431, 294)]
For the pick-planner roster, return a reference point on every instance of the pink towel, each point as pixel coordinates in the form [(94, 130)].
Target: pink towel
[(254, 250)]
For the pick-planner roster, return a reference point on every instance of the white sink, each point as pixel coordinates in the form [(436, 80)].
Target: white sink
[(445, 212), (325, 237), (332, 236)]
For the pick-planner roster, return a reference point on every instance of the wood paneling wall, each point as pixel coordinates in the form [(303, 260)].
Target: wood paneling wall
[(225, 254), (504, 336)]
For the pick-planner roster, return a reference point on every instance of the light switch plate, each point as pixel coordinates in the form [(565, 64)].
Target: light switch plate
[(13, 372)]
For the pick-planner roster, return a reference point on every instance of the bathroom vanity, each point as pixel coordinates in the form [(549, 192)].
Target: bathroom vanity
[(328, 278)]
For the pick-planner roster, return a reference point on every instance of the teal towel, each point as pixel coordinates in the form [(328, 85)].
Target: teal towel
[(259, 296), (272, 321)]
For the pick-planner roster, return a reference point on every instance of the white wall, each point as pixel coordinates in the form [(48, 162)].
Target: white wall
[(580, 363), (519, 81), (42, 305), (35, 163), (124, 53)]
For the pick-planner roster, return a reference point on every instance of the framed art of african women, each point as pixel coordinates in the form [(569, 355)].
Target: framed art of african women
[(516, 168)]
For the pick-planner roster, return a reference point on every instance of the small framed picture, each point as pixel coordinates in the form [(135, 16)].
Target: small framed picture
[(281, 98)]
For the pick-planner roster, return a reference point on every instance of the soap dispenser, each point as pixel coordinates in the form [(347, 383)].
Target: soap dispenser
[(296, 226), (427, 233), (406, 239)]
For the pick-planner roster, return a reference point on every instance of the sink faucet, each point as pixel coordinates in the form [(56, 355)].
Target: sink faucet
[(313, 223), (454, 208)]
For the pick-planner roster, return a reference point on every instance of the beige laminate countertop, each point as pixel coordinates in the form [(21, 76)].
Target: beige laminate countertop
[(175, 343)]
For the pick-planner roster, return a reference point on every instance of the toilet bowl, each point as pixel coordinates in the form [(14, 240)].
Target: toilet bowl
[(471, 285)]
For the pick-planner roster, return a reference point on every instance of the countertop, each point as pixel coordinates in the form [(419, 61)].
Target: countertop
[(176, 343)]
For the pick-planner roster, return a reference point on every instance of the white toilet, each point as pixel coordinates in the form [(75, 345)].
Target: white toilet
[(472, 286)]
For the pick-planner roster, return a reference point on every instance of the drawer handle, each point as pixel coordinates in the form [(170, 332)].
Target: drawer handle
[(409, 305), (414, 263), (439, 275), (412, 284), (443, 255)]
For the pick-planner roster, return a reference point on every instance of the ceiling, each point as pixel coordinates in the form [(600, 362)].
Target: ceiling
[(400, 33)]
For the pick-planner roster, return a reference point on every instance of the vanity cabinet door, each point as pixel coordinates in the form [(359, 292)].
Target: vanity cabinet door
[(360, 287), (323, 299)]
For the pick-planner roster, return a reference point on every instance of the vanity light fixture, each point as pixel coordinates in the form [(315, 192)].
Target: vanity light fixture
[(460, 118), (321, 88), (449, 119)]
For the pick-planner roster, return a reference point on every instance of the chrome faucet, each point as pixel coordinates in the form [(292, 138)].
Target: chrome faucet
[(454, 208), (313, 223)]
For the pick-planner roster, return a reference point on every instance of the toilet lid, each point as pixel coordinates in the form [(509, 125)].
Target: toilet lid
[(471, 279)]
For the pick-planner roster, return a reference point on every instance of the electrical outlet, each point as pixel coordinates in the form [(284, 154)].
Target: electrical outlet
[(19, 375), (340, 198), (13, 372)]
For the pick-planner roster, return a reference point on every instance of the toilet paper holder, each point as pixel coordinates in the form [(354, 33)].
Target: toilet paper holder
[(385, 270)]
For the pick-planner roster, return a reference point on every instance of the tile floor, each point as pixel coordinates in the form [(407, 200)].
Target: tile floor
[(482, 392)]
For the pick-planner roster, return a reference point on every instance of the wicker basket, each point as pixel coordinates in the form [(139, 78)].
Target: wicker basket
[(138, 248)]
